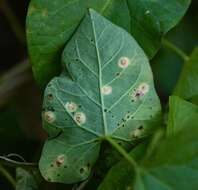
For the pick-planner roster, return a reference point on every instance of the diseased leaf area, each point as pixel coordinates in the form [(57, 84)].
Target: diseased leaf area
[(105, 89), (50, 24)]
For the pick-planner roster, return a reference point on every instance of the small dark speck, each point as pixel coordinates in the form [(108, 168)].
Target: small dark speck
[(140, 127), (50, 96), (58, 175), (105, 110), (50, 108), (65, 166), (81, 170), (49, 179)]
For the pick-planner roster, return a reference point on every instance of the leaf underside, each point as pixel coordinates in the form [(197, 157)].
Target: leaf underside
[(109, 92), (50, 25)]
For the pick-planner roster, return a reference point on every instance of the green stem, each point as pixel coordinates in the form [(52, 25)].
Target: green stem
[(175, 49), (13, 163), (122, 152), (7, 175), (13, 21)]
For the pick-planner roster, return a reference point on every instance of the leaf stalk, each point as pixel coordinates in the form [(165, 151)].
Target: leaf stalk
[(122, 152)]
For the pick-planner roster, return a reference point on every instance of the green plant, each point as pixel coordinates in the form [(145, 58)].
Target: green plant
[(92, 59)]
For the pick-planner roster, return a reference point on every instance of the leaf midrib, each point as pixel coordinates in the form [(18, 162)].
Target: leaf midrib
[(99, 76)]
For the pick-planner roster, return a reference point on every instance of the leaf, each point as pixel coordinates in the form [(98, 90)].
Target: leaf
[(25, 180), (50, 25), (121, 175), (187, 85), (110, 92), (174, 165), (151, 19), (182, 114)]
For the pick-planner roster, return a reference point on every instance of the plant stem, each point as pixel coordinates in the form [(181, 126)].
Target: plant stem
[(13, 163), (13, 21), (7, 175), (175, 49), (122, 152)]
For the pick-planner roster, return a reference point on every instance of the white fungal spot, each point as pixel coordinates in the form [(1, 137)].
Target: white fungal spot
[(123, 62), (71, 106), (142, 89), (106, 90), (80, 118), (147, 12), (136, 133), (49, 116), (60, 160)]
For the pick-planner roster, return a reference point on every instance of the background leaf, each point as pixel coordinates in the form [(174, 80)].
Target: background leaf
[(182, 114), (187, 85), (150, 20), (110, 92), (174, 165), (25, 180), (50, 25)]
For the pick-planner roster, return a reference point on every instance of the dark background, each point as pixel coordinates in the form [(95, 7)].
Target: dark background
[(20, 98)]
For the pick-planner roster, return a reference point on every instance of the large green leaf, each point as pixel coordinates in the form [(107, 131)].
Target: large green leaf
[(25, 180), (50, 25), (174, 165), (187, 87), (182, 114), (151, 19), (109, 92)]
